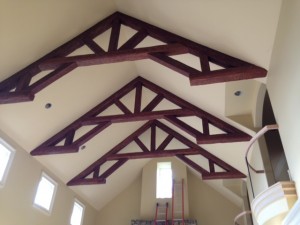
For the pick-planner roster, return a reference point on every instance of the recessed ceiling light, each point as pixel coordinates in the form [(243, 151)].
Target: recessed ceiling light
[(48, 105), (238, 93)]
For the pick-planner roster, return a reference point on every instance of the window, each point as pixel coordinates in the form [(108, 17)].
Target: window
[(44, 197), (77, 213), (164, 180), (6, 156)]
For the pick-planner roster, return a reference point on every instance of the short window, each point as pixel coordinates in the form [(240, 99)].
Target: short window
[(46, 190), (164, 180), (6, 156), (77, 213)]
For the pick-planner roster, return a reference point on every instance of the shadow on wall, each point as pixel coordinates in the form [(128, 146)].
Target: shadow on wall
[(274, 146)]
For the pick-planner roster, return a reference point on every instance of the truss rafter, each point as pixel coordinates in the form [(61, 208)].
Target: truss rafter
[(64, 141), (92, 174), (21, 87)]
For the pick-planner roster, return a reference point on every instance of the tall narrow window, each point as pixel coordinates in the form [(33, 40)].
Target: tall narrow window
[(164, 180), (6, 156), (77, 213), (44, 197)]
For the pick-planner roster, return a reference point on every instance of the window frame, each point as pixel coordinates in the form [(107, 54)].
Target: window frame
[(83, 210), (9, 162), (158, 168), (51, 180)]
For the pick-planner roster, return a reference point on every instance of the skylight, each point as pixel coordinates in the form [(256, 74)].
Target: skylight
[(164, 180), (6, 155), (77, 213), (45, 193)]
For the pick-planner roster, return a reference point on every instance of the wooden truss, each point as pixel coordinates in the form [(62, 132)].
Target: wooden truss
[(22, 87), (65, 141), (94, 174)]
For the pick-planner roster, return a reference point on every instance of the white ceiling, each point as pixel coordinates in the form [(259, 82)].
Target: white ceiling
[(30, 29)]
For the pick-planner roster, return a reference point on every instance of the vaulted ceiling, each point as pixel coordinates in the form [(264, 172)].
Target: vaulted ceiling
[(84, 107)]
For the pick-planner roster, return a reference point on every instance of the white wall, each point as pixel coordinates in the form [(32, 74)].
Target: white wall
[(208, 206), (17, 195), (284, 81), (123, 208)]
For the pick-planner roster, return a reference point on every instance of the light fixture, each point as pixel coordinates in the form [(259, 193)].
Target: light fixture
[(48, 105), (272, 205), (238, 93)]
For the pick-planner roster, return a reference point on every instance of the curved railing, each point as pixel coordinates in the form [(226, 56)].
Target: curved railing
[(241, 215), (249, 166), (254, 138)]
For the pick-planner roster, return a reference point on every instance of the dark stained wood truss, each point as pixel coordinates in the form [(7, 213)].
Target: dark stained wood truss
[(22, 87), (94, 174), (65, 142)]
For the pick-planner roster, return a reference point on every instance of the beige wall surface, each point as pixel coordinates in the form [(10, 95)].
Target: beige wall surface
[(208, 206), (283, 84), (124, 208), (17, 195)]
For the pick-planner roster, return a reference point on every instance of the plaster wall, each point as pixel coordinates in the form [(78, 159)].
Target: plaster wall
[(283, 84), (125, 207), (17, 194), (208, 206)]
